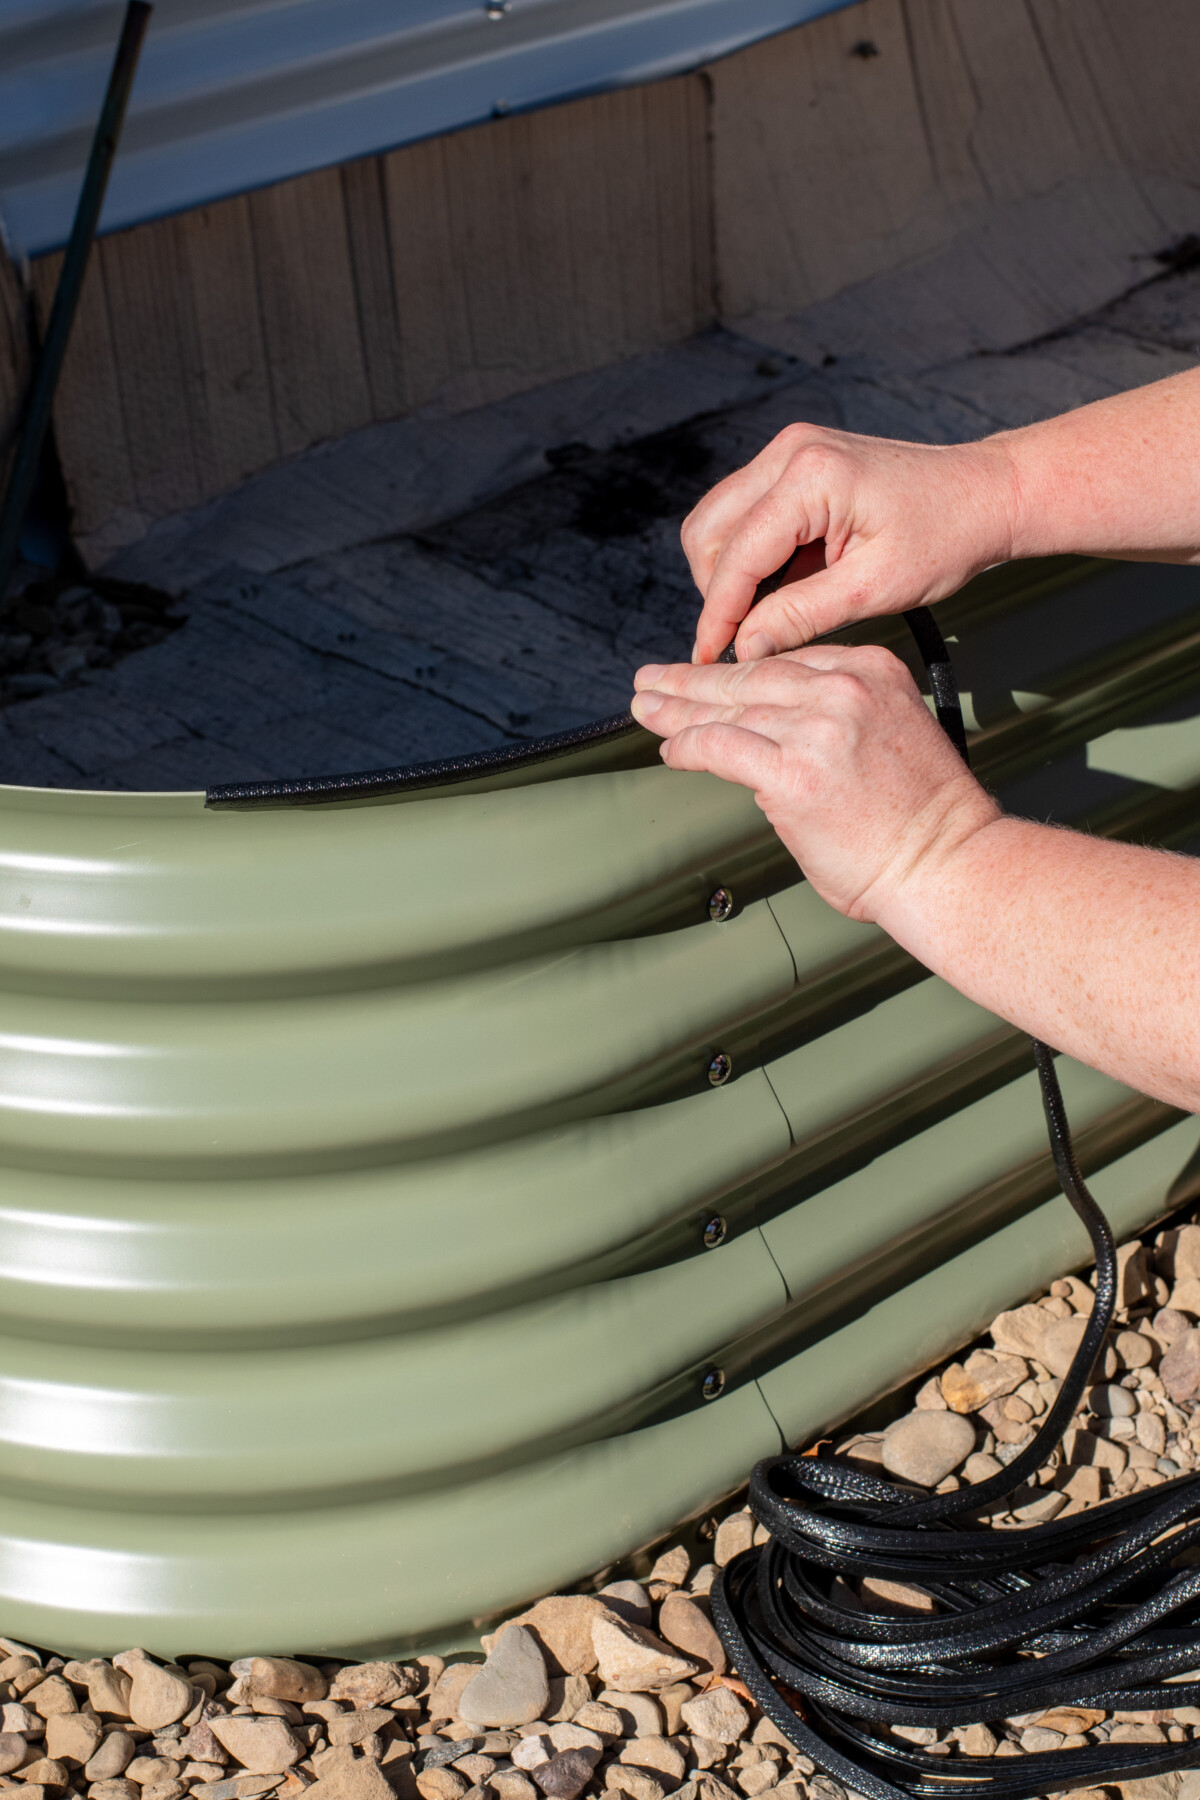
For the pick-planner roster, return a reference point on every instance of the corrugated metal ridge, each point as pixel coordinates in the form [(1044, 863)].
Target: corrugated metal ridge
[(235, 95)]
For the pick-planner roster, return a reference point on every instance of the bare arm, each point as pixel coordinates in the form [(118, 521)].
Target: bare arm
[(1092, 946), (893, 525)]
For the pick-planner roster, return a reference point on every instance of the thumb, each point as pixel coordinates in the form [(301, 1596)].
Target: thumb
[(803, 610)]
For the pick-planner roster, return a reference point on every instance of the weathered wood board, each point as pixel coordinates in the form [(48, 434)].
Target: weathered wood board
[(901, 181)]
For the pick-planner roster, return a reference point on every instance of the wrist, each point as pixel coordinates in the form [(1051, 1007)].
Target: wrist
[(996, 499), (931, 873)]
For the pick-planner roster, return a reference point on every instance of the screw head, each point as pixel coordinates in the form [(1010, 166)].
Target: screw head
[(719, 1069), (496, 9), (715, 1232), (713, 1384), (720, 905)]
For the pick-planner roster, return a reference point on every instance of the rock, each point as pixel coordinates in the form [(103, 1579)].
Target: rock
[(1151, 1432), (511, 1784), (632, 1660), (73, 1737), (605, 1721), (977, 1740), (352, 1777), (374, 1684), (1083, 1484), (967, 1388), (734, 1534), (639, 1784), (1185, 1297), (672, 1700), (672, 1567), (641, 1714), (567, 1774), (12, 1751), (157, 1697), (1168, 1325), (169, 1790), (1179, 1369), (532, 1751), (201, 1746), (719, 1713), (16, 1717), (279, 1678), (1137, 1734), (1035, 1738), (567, 1694), (924, 1447), (629, 1600), (146, 1770), (45, 1772), (264, 1746), (756, 1778), (1080, 1447), (353, 1727), (1070, 1719), (51, 1696), (686, 1623), (111, 1758), (705, 1787), (562, 1624), (1110, 1402), (447, 1691), (895, 1599), (477, 1769), (117, 1790), (1150, 1787), (980, 1467), (1035, 1334), (1134, 1350), (512, 1687), (929, 1396), (657, 1754)]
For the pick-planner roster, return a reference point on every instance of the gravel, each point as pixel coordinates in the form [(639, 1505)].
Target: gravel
[(625, 1692)]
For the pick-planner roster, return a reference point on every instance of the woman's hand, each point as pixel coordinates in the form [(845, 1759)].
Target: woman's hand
[(842, 753), (880, 525)]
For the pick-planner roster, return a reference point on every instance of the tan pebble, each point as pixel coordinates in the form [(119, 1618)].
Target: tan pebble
[(1134, 1349), (977, 1740), (13, 1750), (981, 1467), (633, 1660), (924, 1447), (717, 1714), (345, 1776), (279, 1678), (656, 1753), (967, 1388), (157, 1696), (605, 1720), (476, 1768), (1151, 1432), (1137, 1734), (374, 1684), (164, 1790), (21, 1664), (1070, 1719), (511, 1784), (118, 1789), (639, 1784), (672, 1701), (707, 1753), (73, 1737), (353, 1727), (672, 1566), (444, 1699), (756, 1780), (47, 1772), (929, 1397), (53, 1695), (685, 1621), (264, 1746), (734, 1534), (641, 1714)]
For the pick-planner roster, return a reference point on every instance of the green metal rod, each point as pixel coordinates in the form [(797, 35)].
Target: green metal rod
[(70, 285)]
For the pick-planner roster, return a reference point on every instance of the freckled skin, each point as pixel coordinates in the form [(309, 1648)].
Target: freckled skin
[(1092, 946)]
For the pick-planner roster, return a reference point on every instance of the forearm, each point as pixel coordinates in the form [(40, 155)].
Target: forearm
[(1092, 946), (1118, 478)]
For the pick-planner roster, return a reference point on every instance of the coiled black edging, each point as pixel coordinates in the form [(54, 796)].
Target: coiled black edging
[(1087, 1611)]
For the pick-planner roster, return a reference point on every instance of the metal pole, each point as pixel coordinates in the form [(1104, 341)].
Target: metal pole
[(70, 284)]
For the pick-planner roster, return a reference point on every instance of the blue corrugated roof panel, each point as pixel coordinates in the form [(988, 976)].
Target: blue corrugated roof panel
[(232, 94)]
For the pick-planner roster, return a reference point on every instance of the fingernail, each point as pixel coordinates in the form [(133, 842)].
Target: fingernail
[(645, 705), (651, 675), (755, 647)]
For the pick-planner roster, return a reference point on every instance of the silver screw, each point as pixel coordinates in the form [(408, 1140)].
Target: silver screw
[(715, 1232), (720, 905), (496, 9), (719, 1069), (713, 1384)]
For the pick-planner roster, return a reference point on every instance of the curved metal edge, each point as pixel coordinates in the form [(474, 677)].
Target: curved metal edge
[(490, 766)]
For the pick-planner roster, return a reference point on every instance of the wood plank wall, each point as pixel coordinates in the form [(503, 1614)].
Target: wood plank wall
[(909, 176)]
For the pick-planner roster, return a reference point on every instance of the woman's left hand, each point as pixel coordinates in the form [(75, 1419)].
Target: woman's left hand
[(843, 755)]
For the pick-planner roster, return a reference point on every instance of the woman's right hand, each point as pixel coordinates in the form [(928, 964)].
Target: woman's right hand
[(881, 526)]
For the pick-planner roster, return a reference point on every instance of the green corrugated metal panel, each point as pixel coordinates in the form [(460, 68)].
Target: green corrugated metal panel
[(357, 1157)]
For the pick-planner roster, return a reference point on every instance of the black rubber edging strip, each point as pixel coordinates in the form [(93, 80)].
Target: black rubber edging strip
[(378, 783)]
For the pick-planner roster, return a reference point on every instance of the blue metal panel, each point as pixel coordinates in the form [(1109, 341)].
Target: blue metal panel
[(232, 94)]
